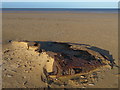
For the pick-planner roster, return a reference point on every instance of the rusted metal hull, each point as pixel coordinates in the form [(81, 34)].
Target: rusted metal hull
[(69, 59)]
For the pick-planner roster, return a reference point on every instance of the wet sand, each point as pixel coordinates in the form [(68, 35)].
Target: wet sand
[(96, 29)]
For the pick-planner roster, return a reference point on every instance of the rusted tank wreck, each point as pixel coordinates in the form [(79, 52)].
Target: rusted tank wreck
[(68, 59)]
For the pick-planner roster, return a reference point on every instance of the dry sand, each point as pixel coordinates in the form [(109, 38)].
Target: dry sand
[(96, 29)]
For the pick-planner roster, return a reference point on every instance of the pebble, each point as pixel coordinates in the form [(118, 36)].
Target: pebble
[(33, 65), (27, 71), (94, 73), (6, 51), (3, 63), (9, 58), (26, 62), (82, 76), (29, 62), (14, 70), (5, 58), (30, 68), (4, 69), (25, 83), (9, 75), (24, 86), (91, 84), (98, 71), (25, 65), (13, 54), (56, 79), (84, 87), (83, 80), (62, 85), (24, 77), (18, 65)]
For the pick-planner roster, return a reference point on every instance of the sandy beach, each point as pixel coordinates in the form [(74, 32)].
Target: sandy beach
[(96, 29)]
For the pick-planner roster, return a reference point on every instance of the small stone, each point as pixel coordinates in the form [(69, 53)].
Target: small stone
[(56, 79), (84, 82), (5, 58), (24, 86), (9, 75), (6, 51), (30, 65), (9, 40), (98, 71), (3, 63), (94, 73), (4, 69), (30, 68), (14, 70), (11, 58), (26, 71), (25, 65), (27, 62), (33, 65), (24, 77), (25, 83), (62, 85), (13, 54), (91, 84), (84, 87), (18, 65), (82, 76)]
